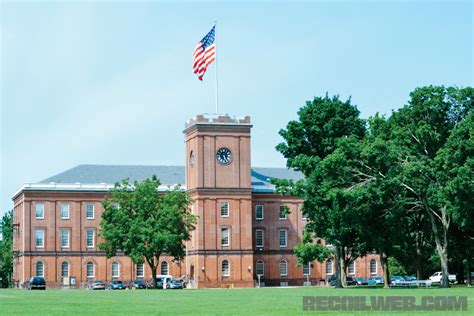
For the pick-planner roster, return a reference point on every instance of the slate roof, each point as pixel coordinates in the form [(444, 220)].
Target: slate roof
[(168, 175)]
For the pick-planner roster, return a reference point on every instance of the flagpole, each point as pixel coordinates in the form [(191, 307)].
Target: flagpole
[(217, 85)]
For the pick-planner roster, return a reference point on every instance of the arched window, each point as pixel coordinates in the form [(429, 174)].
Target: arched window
[(373, 266), (90, 269), (164, 268), (115, 269), (40, 269), (225, 268), (351, 268), (260, 267), (65, 269), (283, 268), (329, 267)]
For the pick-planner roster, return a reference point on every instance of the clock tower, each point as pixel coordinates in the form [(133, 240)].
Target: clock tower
[(218, 180)]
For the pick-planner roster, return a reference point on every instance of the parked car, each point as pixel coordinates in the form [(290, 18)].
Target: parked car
[(472, 278), (349, 280), (436, 277), (162, 281), (397, 279), (137, 284), (98, 285), (116, 285), (410, 278), (377, 280), (362, 281), (37, 283), (175, 284)]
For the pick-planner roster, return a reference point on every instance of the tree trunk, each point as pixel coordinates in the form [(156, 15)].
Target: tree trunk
[(444, 267), (153, 275), (338, 256), (468, 270), (441, 240), (153, 266), (342, 262), (386, 273), (419, 255)]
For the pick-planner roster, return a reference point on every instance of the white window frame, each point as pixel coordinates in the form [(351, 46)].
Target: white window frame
[(118, 269), (280, 212), (37, 205), (224, 205), (370, 267), (42, 238), (142, 274), (87, 238), (87, 210), (227, 273), (42, 269), (87, 269), (164, 263), (307, 267), (228, 236), (68, 237), (283, 261), (331, 265), (68, 269), (256, 238), (286, 238), (256, 212), (262, 265), (68, 211)]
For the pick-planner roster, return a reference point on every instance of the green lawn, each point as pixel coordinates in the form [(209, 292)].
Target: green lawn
[(264, 301)]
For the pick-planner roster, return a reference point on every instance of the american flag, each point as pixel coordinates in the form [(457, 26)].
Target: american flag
[(205, 53)]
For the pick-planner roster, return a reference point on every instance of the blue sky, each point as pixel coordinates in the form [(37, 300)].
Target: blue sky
[(111, 83)]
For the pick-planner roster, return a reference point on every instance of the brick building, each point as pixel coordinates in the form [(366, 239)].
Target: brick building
[(243, 229)]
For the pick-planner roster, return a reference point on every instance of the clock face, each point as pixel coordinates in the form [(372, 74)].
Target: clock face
[(224, 156)]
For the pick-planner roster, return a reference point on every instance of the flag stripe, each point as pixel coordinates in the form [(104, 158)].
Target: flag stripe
[(204, 54), (202, 60)]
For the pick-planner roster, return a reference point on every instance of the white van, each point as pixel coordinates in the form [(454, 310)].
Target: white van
[(436, 277), (163, 281)]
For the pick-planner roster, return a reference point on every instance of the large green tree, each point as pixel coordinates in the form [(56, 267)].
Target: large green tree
[(378, 198), (454, 170), (145, 224), (6, 249), (421, 130), (311, 146)]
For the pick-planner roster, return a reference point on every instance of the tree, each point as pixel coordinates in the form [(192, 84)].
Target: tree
[(454, 165), (144, 224), (6, 249), (311, 146), (421, 130), (308, 250)]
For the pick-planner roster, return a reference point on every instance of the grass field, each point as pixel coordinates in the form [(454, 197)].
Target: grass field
[(264, 301)]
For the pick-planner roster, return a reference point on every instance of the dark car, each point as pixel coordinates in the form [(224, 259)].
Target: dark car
[(37, 283), (362, 281), (162, 282), (411, 278), (397, 279), (175, 284), (97, 285), (377, 280), (116, 285), (137, 284), (349, 280)]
